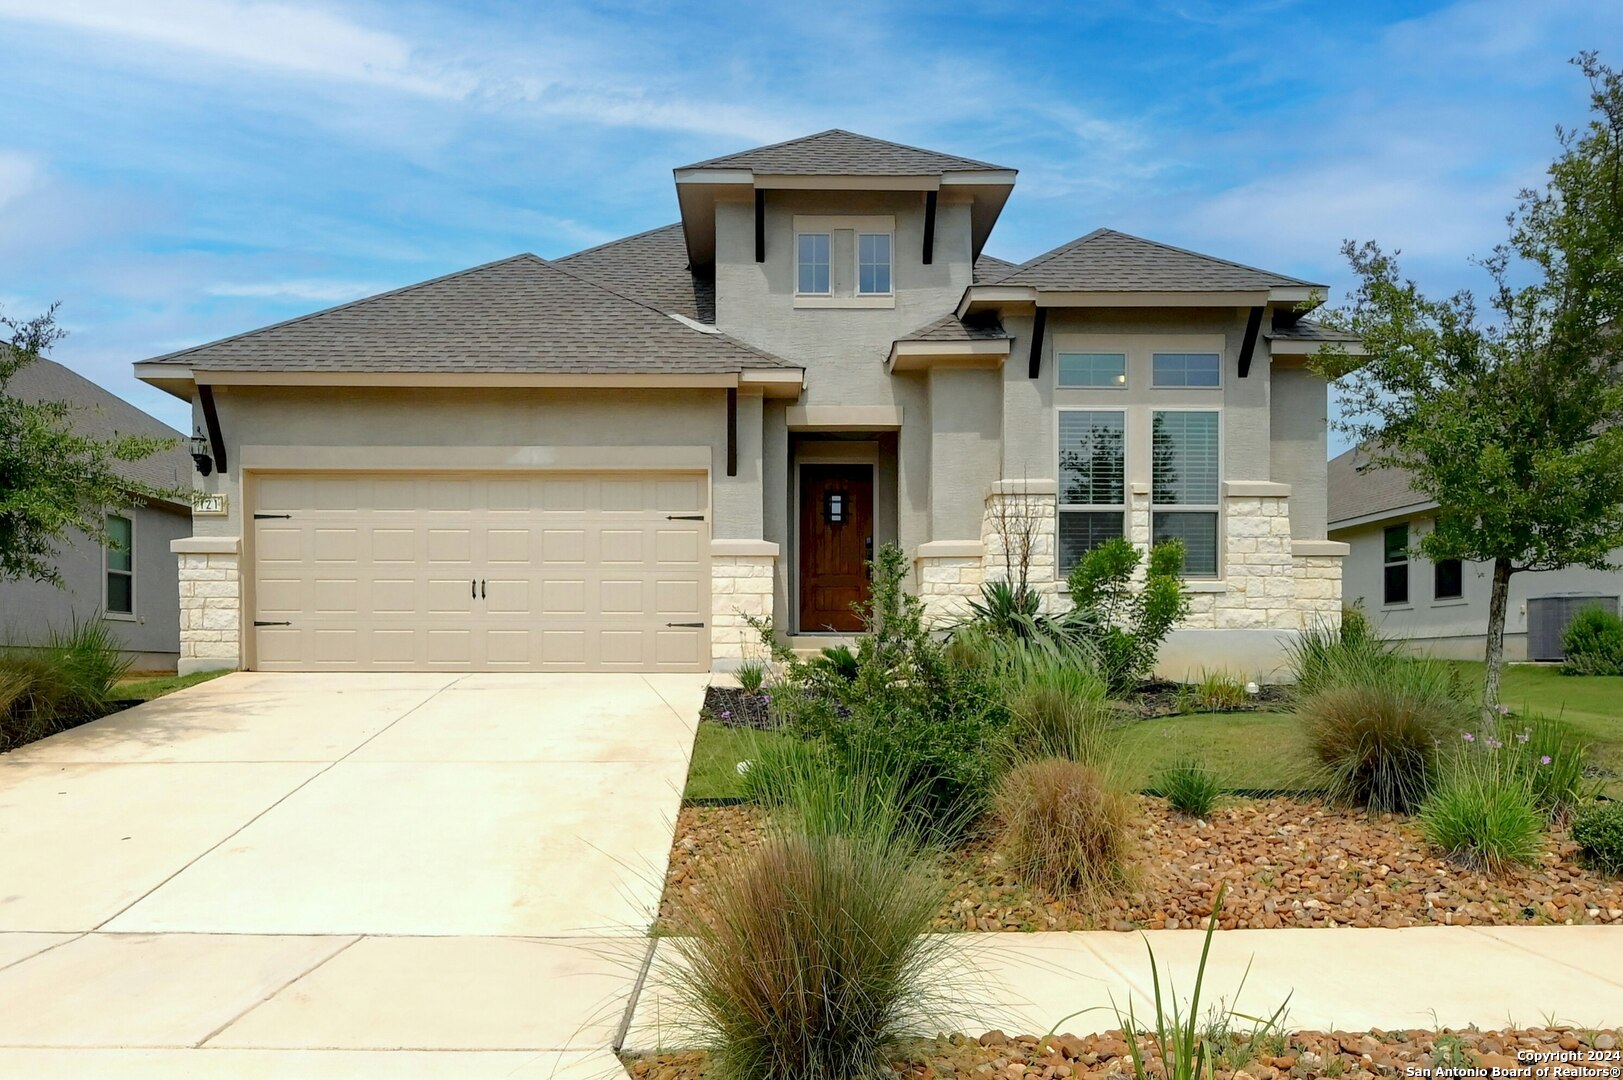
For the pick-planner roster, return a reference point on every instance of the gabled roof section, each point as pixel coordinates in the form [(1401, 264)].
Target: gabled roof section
[(1357, 493), (845, 153), (1109, 261), (652, 268), (98, 413), (521, 315), (990, 268)]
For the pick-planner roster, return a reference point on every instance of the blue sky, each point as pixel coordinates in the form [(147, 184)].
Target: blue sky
[(173, 171)]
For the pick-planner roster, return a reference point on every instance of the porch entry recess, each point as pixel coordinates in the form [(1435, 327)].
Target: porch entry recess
[(836, 542)]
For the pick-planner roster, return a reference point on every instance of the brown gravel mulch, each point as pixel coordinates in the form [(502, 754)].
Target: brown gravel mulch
[(1286, 862), (1547, 1052)]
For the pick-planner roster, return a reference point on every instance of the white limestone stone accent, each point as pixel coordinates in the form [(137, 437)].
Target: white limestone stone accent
[(210, 611), (740, 588)]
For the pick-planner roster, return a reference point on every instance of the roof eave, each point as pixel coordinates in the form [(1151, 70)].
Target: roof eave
[(923, 355), (1375, 517)]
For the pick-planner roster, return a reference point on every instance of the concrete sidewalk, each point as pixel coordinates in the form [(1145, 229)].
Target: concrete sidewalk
[(1348, 979)]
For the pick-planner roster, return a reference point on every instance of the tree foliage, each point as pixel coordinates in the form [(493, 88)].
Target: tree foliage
[(1130, 618), (54, 481), (1509, 418)]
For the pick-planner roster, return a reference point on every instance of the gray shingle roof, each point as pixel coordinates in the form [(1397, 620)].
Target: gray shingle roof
[(1355, 492), (520, 315), (1306, 330), (101, 414), (952, 328), (651, 267), (1109, 261), (990, 268), (844, 153)]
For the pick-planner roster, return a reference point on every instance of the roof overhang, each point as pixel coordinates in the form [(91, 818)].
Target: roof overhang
[(1299, 347), (698, 190), (998, 297), (1377, 516), (923, 355), (182, 382)]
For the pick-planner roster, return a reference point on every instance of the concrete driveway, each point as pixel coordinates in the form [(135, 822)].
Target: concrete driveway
[(289, 875)]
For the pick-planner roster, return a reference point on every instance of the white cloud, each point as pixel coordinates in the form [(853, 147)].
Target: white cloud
[(299, 289), (19, 173)]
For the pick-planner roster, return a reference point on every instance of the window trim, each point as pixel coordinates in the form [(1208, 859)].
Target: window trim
[(1126, 370), (107, 571), (1125, 507), (1404, 561), (1220, 354), (828, 237), (1216, 508), (890, 247), (1447, 598)]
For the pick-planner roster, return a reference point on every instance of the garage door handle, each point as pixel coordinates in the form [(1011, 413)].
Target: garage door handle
[(259, 623), (473, 588), (692, 624), (265, 517), (684, 517), (481, 588)]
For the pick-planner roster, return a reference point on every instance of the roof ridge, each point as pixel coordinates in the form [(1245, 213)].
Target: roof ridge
[(1069, 245), (169, 356), (1209, 258), (617, 240), (852, 134)]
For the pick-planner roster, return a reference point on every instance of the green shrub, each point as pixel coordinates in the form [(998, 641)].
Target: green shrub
[(1190, 788), (837, 661), (1593, 643), (1377, 725), (1481, 811), (751, 675), (1065, 826), (1128, 620), (1059, 709), (66, 681), (1598, 830), (1548, 756), (810, 956)]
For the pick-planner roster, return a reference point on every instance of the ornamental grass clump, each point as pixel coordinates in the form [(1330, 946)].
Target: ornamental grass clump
[(1190, 788), (1065, 826), (1377, 725), (65, 681), (1059, 709), (1482, 812)]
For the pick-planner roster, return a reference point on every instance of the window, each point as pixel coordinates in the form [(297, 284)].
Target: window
[(812, 255), (1092, 481), (873, 263), (1185, 467), (120, 599), (1093, 369), (1447, 580), (1187, 369), (1395, 560)]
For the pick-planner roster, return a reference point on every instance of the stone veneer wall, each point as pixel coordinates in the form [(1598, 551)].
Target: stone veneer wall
[(1269, 581), (741, 575), (210, 610)]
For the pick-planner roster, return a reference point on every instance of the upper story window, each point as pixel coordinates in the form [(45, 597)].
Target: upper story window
[(1395, 565), (1187, 369), (873, 264), (1093, 370), (811, 253), (1092, 481), (119, 598), (1185, 468)]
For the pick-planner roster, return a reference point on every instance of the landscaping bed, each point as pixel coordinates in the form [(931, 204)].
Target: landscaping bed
[(1286, 862), (1302, 1055), (1160, 698), (731, 706)]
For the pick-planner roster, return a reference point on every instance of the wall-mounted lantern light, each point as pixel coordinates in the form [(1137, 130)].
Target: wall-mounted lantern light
[(200, 455), (834, 507)]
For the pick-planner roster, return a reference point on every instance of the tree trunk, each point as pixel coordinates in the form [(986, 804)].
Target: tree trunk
[(1498, 600)]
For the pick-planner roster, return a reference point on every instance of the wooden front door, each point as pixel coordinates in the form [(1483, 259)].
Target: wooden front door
[(836, 542)]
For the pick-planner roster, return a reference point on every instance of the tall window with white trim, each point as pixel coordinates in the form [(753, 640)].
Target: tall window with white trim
[(873, 264), (1092, 480), (120, 567), (811, 253), (1184, 491)]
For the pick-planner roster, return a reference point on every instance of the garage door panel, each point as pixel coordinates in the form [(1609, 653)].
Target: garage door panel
[(579, 572)]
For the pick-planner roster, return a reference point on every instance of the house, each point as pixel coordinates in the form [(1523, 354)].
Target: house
[(1439, 608), (136, 589), (611, 460)]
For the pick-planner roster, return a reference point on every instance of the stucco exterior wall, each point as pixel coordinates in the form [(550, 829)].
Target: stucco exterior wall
[(966, 456), (29, 609), (1298, 451), (1453, 628)]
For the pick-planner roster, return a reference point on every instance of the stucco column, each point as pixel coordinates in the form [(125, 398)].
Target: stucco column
[(210, 603)]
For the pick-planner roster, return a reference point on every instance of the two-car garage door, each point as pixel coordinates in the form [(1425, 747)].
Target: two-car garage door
[(481, 572)]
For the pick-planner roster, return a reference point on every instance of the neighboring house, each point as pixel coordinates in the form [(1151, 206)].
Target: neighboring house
[(1440, 608), (610, 460), (135, 590)]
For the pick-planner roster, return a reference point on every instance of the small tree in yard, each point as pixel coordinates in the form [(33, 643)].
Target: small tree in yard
[(1133, 617), (1512, 423), (53, 481)]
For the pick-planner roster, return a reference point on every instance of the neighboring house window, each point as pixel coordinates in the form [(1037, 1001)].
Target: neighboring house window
[(1395, 563), (120, 598), (1104, 370), (1185, 474), (1092, 481), (873, 264), (1186, 369), (812, 255), (1447, 580)]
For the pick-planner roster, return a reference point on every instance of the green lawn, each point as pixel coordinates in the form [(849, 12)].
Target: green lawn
[(147, 689), (1249, 750)]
